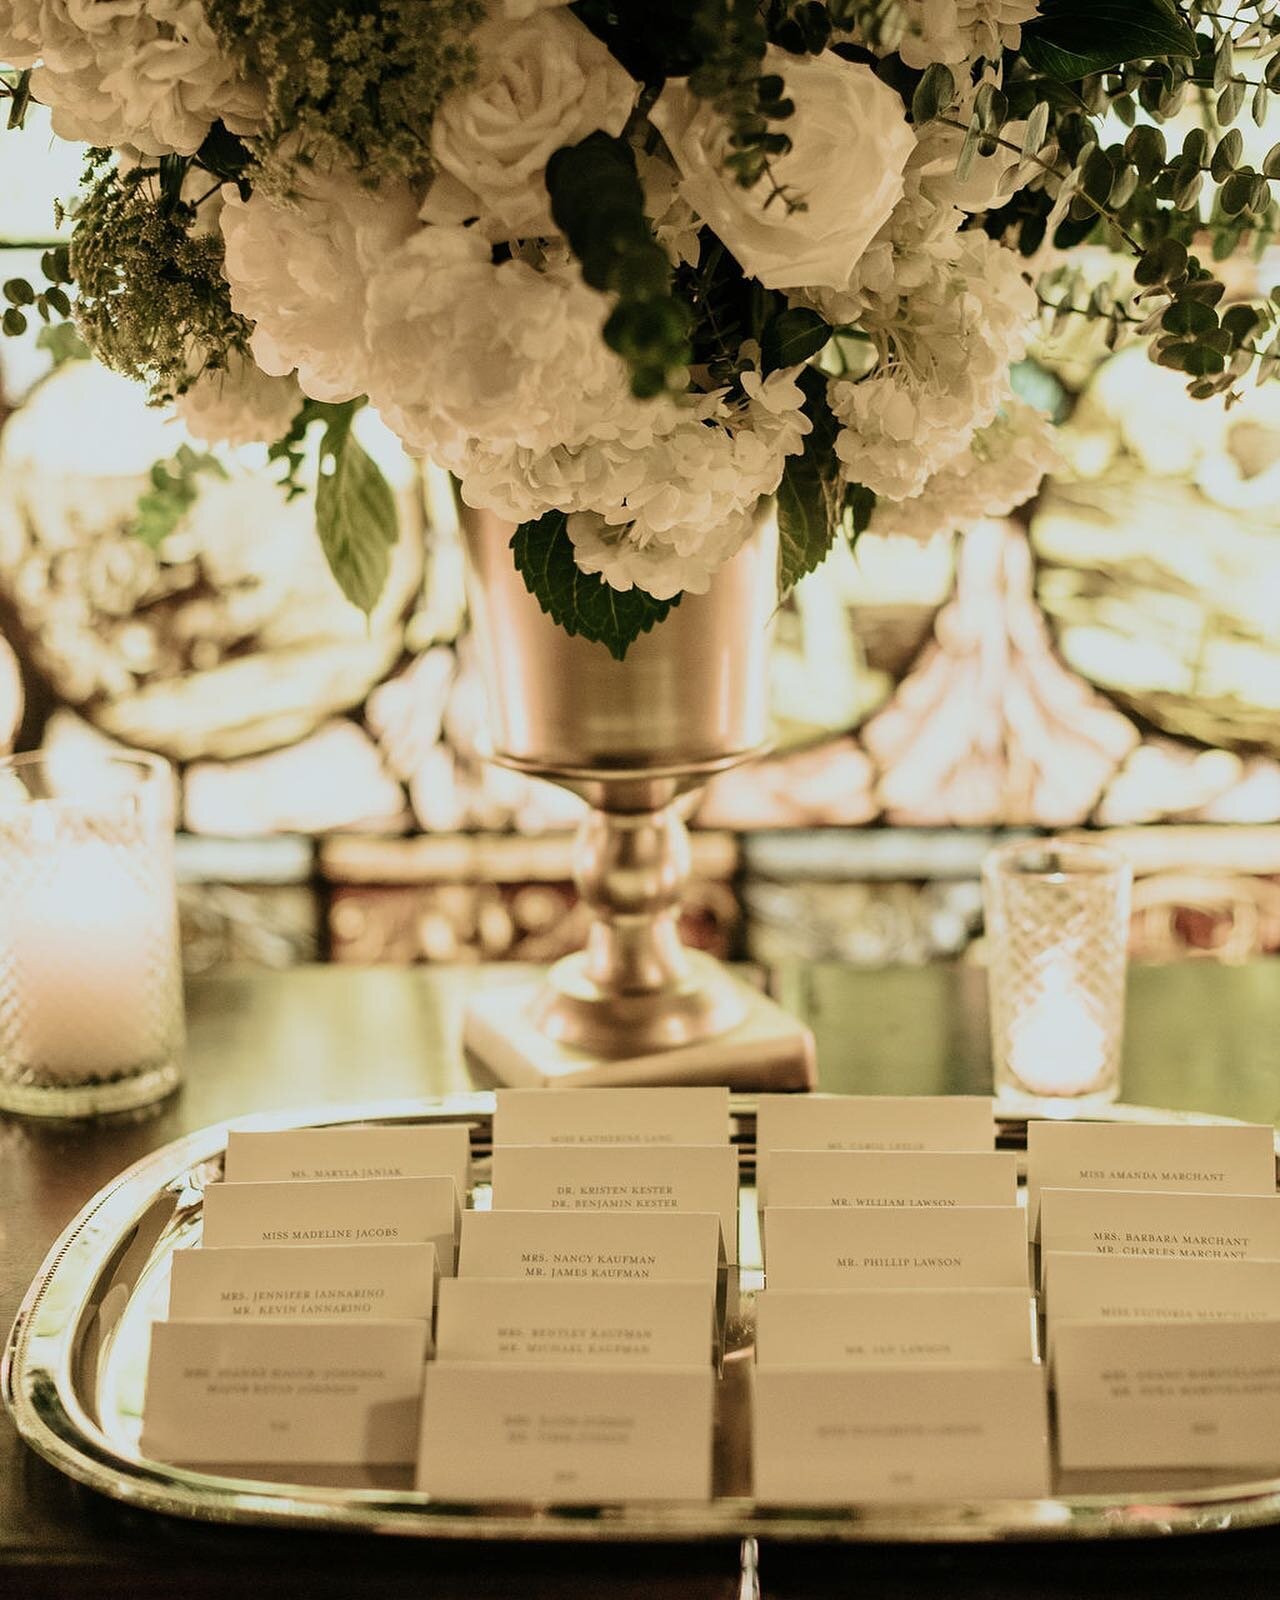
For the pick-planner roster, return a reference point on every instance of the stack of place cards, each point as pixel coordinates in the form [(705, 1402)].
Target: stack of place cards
[(299, 1327), (895, 1340), (575, 1346), (1160, 1275)]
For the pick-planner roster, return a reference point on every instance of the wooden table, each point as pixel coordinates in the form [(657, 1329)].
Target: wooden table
[(1201, 1037)]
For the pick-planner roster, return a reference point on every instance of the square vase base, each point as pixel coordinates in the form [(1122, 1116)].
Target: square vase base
[(769, 1049)]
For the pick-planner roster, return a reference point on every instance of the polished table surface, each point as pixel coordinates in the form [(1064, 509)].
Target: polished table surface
[(1200, 1037)]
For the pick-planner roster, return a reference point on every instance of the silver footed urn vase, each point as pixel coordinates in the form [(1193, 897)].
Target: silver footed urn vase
[(631, 737)]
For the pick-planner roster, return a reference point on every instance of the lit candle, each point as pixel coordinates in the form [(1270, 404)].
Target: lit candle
[(1058, 1046), (87, 940)]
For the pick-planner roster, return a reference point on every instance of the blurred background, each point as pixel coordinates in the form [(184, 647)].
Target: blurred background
[(1109, 661)]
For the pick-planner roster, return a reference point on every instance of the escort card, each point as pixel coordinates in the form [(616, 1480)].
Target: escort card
[(220, 1393), (354, 1211), (566, 1435), (900, 1434), (331, 1283), (1193, 1227), (893, 1327), (977, 1247), (1191, 1158), (1090, 1288), (611, 1116), (644, 1178), (565, 1246), (1168, 1394), (620, 1324), (892, 1179), (870, 1122), (318, 1154)]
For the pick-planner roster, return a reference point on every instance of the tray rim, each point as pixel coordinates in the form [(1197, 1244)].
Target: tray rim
[(40, 1394)]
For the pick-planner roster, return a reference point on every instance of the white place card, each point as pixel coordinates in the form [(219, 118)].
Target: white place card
[(1191, 1158), (531, 1320), (263, 1392), (869, 1122), (605, 1178), (1136, 1224), (900, 1434), (894, 1327), (579, 1246), (977, 1247), (1168, 1394), (611, 1116), (566, 1435), (331, 1283), (1091, 1288), (891, 1179), (349, 1211), (320, 1154)]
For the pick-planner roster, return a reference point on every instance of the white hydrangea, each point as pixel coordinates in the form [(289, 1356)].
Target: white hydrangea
[(300, 270), (961, 31), (239, 404), (675, 225), (143, 73), (996, 473), (668, 481), (541, 83), (943, 372), (506, 355)]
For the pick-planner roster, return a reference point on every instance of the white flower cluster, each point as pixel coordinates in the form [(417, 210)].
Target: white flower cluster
[(239, 404), (147, 74), (945, 352), (999, 472), (960, 31), (450, 300)]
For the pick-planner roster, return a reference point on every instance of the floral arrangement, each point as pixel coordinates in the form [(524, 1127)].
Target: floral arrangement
[(625, 267)]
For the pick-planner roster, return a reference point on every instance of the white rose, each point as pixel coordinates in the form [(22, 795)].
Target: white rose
[(541, 83), (239, 404), (850, 143), (300, 271)]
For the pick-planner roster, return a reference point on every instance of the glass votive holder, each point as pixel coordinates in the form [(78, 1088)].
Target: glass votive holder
[(91, 1016), (1057, 924)]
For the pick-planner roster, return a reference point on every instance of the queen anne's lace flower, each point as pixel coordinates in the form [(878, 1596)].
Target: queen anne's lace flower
[(239, 404), (540, 84), (996, 473), (300, 271), (144, 73)]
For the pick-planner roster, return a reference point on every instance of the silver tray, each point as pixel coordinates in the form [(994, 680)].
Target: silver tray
[(72, 1378)]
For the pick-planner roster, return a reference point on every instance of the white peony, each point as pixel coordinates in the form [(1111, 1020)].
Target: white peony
[(850, 143), (996, 473), (240, 404), (144, 73), (300, 271), (463, 349), (961, 31), (540, 84), (20, 32)]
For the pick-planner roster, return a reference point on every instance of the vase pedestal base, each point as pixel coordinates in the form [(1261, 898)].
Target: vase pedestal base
[(768, 1049)]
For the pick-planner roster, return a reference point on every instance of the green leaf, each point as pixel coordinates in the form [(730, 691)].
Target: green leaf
[(582, 603), (809, 496), (934, 93), (1070, 39), (1271, 162), (355, 515), (792, 337)]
